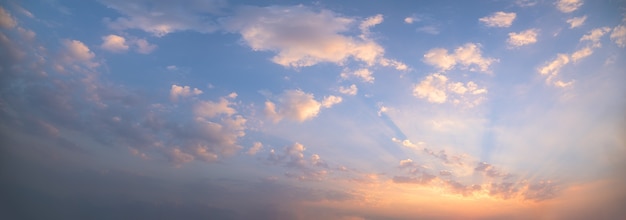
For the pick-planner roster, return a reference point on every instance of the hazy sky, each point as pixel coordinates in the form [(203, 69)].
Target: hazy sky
[(161, 109)]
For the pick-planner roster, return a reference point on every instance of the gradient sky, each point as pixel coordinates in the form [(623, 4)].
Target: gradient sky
[(159, 109)]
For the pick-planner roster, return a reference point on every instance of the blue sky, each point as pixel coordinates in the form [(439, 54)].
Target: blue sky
[(120, 109)]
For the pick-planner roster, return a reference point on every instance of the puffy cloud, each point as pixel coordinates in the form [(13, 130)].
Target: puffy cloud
[(576, 21), (567, 6), (179, 157), (77, 52), (6, 20), (499, 19), (368, 23), (211, 109), (595, 34), (582, 53), (329, 101), (619, 35), (303, 37), (552, 68), (183, 91), (351, 90), (163, 17), (256, 147), (364, 74), (468, 56), (432, 88), (407, 163), (393, 63), (295, 105), (409, 20), (144, 47), (114, 43), (523, 38)]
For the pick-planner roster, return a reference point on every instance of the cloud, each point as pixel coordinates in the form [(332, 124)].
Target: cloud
[(329, 101), (576, 21), (256, 147), (467, 56), (424, 179), (351, 90), (567, 6), (595, 35), (77, 52), (163, 17), (525, 3), (6, 20), (619, 35), (582, 53), (212, 109), (179, 157), (144, 47), (499, 19), (523, 38), (409, 20), (303, 37), (552, 68), (114, 43), (183, 91), (296, 105), (436, 87), (432, 88), (364, 74)]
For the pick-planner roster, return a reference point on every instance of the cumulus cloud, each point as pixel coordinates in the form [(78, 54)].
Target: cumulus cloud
[(409, 20), (595, 34), (77, 52), (144, 47), (467, 56), (304, 37), (436, 88), (211, 109), (499, 19), (576, 21), (297, 105), (432, 88), (619, 35), (256, 147), (523, 38), (552, 68), (582, 53), (351, 90), (567, 6), (114, 43), (179, 157), (329, 101), (6, 20), (183, 91), (364, 74), (163, 17)]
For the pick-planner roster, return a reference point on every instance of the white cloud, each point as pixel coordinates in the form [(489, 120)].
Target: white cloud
[(619, 35), (179, 157), (595, 35), (409, 20), (6, 20), (468, 56), (364, 74), (114, 43), (499, 19), (582, 53), (393, 63), (576, 21), (329, 101), (525, 3), (294, 105), (368, 23), (407, 163), (567, 6), (77, 52), (211, 109), (552, 69), (183, 91), (144, 47), (303, 37), (163, 17), (352, 90), (256, 147), (523, 38), (429, 29), (432, 88)]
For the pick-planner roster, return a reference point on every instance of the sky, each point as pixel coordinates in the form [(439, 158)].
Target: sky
[(216, 109)]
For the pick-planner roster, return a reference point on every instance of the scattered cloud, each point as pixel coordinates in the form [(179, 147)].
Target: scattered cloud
[(351, 90), (144, 47), (436, 88), (114, 43), (256, 147), (523, 38), (295, 105), (163, 17), (619, 35), (77, 52), (595, 35), (329, 101), (552, 68), (183, 91), (6, 20), (568, 6), (364, 74), (212, 109), (582, 53), (432, 88), (576, 21), (499, 19), (430, 29), (369, 23), (467, 56), (526, 3), (410, 20)]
